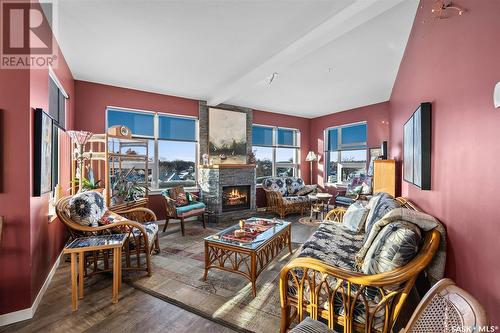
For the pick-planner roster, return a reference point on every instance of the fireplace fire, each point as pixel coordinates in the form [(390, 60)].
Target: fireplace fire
[(235, 198)]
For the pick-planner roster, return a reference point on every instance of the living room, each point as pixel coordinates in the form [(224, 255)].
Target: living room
[(220, 166)]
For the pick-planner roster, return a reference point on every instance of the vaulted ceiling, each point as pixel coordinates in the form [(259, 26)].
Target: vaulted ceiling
[(329, 56)]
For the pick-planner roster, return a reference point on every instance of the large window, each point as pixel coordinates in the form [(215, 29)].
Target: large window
[(276, 151), (172, 145), (345, 152)]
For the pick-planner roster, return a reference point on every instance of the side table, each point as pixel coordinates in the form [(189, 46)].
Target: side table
[(77, 249)]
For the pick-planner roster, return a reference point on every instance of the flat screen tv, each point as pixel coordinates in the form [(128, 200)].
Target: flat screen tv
[(417, 148)]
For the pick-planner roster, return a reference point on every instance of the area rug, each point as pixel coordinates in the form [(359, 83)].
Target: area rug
[(225, 297), (308, 221)]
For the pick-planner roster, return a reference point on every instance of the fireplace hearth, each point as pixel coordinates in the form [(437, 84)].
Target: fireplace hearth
[(235, 198)]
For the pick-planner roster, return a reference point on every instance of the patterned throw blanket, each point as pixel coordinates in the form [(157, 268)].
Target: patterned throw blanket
[(435, 270)]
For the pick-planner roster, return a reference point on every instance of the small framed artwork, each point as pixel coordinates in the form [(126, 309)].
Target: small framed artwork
[(375, 154), (42, 169)]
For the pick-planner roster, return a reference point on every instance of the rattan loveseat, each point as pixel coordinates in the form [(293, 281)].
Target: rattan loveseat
[(336, 295), (137, 222), (284, 195)]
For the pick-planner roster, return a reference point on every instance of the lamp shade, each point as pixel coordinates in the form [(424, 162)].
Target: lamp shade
[(311, 156), (80, 137)]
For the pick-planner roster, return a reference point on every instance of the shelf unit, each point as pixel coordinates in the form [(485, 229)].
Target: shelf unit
[(109, 155)]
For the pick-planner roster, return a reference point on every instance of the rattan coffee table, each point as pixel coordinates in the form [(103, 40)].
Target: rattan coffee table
[(247, 259)]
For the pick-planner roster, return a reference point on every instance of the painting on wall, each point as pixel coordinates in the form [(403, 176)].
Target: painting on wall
[(42, 170), (417, 148), (227, 136)]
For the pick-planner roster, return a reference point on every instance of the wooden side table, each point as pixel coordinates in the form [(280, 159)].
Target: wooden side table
[(77, 249)]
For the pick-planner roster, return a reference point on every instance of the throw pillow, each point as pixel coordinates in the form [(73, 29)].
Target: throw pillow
[(379, 205), (355, 217), (87, 208), (306, 190), (293, 185), (395, 245), (181, 200)]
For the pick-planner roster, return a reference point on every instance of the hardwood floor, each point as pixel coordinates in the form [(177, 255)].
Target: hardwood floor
[(135, 311)]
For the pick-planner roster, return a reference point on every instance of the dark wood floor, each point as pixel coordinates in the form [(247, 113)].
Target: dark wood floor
[(135, 312)]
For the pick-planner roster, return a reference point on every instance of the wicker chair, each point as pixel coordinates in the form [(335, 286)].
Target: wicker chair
[(306, 288), (447, 308), (138, 241), (195, 208)]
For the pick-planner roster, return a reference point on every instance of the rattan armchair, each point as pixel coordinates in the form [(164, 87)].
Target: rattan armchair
[(138, 242), (311, 287), (447, 308)]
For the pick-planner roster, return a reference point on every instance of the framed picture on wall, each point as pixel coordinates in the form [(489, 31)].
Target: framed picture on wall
[(417, 148), (42, 168), (227, 136)]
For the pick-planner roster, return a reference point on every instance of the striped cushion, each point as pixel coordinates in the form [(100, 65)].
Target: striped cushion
[(309, 325)]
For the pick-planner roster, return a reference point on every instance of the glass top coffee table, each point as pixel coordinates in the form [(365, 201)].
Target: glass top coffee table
[(247, 256)]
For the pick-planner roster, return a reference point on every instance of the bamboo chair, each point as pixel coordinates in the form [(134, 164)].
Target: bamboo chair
[(134, 219), (447, 308)]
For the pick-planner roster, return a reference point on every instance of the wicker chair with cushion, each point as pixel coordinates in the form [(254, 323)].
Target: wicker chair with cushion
[(359, 188), (287, 195), (181, 205), (138, 223), (444, 309), (327, 281)]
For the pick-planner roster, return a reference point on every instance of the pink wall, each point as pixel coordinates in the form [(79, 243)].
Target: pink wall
[(93, 98), (454, 63), (15, 272), (30, 245), (376, 117)]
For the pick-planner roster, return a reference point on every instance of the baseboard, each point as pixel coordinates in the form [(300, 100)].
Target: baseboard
[(25, 314)]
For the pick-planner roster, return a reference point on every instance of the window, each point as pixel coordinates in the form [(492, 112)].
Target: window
[(172, 144), (57, 102), (276, 151), (345, 152)]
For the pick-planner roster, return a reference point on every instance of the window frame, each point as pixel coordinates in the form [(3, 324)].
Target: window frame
[(362, 145), (154, 185), (274, 145)]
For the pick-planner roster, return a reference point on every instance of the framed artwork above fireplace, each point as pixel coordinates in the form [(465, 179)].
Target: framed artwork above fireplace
[(227, 136)]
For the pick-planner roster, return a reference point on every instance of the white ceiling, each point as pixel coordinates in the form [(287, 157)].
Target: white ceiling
[(223, 51)]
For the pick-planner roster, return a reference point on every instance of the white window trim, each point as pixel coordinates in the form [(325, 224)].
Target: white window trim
[(155, 167), (342, 147), (274, 146)]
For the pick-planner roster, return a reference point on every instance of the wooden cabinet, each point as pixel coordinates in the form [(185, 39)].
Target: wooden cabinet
[(384, 176)]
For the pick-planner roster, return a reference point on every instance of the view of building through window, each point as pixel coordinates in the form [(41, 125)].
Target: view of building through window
[(171, 151), (276, 151), (345, 152)]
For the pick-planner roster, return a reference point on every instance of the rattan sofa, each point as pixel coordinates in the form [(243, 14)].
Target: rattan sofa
[(314, 288), (283, 196)]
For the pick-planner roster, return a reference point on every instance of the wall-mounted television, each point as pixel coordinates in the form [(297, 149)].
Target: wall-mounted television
[(417, 147)]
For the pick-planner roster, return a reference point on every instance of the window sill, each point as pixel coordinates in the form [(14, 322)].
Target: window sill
[(337, 185), (187, 189)]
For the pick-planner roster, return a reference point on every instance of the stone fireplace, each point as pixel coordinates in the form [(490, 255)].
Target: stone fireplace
[(228, 190)]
